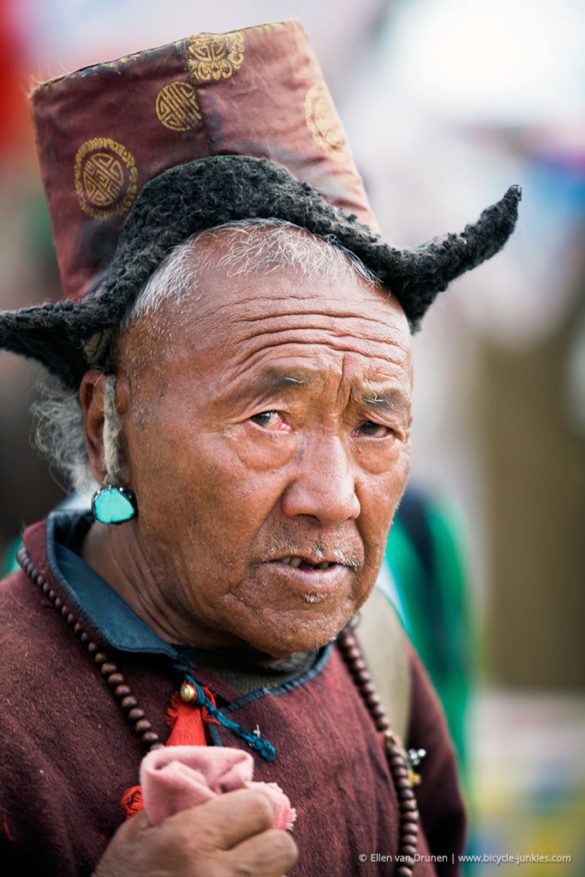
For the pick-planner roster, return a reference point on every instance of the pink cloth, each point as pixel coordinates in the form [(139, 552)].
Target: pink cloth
[(178, 777)]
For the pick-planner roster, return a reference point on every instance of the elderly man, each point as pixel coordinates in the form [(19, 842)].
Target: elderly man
[(235, 371)]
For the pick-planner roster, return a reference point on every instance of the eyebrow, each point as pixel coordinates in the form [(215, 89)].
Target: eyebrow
[(274, 380), (389, 401)]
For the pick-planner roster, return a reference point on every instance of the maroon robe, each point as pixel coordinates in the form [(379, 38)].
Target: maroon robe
[(68, 753)]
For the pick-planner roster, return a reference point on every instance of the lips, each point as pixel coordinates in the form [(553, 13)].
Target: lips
[(310, 577), (298, 562)]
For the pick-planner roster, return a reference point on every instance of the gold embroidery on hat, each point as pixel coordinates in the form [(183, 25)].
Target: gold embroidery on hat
[(105, 178), (215, 56), (323, 122), (177, 107)]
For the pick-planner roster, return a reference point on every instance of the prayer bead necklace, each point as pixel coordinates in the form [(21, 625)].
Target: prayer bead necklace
[(400, 769)]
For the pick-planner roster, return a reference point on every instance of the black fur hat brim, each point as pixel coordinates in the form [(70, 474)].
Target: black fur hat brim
[(209, 192)]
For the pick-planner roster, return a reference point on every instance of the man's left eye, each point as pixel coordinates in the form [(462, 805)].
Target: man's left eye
[(271, 420), (372, 430)]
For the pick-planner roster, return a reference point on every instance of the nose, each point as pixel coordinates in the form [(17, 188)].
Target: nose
[(323, 486)]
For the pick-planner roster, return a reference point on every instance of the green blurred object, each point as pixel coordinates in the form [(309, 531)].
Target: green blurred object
[(8, 562), (425, 561)]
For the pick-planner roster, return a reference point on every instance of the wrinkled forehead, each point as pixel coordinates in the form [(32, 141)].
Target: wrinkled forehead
[(257, 286)]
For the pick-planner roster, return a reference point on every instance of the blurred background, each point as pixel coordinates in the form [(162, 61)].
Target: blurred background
[(445, 104)]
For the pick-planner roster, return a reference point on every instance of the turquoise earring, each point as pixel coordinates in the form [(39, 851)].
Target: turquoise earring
[(114, 504)]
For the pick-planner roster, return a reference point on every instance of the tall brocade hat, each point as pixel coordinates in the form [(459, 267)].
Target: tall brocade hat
[(140, 153)]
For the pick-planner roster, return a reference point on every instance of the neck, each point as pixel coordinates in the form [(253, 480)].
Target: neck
[(115, 553)]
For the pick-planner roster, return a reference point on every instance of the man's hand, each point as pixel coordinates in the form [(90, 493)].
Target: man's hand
[(230, 835)]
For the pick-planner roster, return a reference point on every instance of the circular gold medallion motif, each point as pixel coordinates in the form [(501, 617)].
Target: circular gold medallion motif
[(323, 122), (105, 178), (177, 107), (215, 56)]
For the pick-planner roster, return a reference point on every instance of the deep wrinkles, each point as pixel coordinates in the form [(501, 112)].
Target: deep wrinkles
[(250, 357), (336, 315)]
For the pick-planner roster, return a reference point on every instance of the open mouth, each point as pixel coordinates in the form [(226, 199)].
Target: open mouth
[(313, 579), (297, 562)]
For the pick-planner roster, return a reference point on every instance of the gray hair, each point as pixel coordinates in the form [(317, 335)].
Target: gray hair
[(279, 245), (59, 421)]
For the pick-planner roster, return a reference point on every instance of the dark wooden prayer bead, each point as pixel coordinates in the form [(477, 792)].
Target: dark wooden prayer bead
[(409, 806), (368, 688), (122, 690), (107, 668), (135, 714)]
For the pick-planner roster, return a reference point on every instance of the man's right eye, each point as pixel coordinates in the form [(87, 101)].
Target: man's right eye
[(273, 421)]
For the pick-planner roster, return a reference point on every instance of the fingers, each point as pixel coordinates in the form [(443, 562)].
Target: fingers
[(226, 820), (228, 836), (132, 828), (270, 854)]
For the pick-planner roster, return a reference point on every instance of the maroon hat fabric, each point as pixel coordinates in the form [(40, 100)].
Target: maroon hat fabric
[(106, 130)]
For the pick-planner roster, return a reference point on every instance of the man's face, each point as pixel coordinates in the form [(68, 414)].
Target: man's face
[(268, 449)]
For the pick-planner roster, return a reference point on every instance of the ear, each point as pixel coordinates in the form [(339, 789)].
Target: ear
[(91, 398)]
